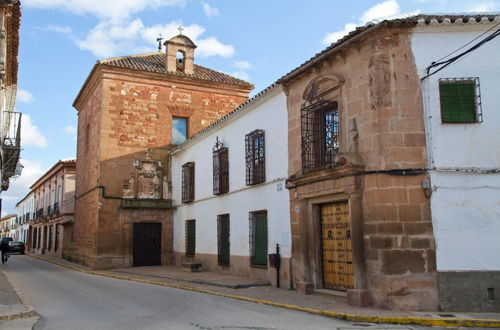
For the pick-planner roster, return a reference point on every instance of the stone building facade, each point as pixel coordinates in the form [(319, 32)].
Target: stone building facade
[(360, 218), (54, 198), (130, 111)]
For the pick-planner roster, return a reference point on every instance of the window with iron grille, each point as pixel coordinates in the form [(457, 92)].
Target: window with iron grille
[(188, 182), (223, 239), (320, 135), (258, 238), (460, 100), (255, 157), (221, 171), (190, 238)]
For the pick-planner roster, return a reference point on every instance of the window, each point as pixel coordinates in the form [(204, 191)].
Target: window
[(223, 239), (179, 130), (460, 100), (258, 238), (255, 157), (320, 135), (188, 182), (190, 238), (221, 171)]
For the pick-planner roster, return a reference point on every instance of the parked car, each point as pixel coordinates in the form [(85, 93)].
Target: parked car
[(16, 247)]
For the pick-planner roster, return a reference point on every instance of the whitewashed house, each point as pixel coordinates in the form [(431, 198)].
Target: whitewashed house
[(228, 183), (461, 94), (25, 210)]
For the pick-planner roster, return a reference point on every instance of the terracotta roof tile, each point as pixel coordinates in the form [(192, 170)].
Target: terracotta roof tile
[(155, 62)]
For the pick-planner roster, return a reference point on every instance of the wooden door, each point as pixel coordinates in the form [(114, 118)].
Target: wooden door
[(336, 246), (147, 244)]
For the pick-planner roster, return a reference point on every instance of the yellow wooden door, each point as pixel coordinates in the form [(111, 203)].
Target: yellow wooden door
[(336, 246)]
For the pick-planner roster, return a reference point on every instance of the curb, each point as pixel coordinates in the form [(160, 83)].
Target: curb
[(443, 322), (30, 312)]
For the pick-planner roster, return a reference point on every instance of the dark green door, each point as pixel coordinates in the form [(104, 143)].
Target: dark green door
[(190, 238), (223, 239), (259, 256)]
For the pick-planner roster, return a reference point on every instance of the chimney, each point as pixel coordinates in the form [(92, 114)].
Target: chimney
[(180, 54)]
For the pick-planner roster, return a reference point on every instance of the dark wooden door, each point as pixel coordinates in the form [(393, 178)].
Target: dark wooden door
[(147, 244)]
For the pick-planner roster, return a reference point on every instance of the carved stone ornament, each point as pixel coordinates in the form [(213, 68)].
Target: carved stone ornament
[(380, 81), (146, 180), (349, 160), (321, 86)]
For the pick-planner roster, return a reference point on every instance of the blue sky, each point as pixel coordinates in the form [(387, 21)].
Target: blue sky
[(257, 40)]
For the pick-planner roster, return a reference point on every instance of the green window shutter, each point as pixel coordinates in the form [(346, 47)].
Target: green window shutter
[(260, 239), (223, 239), (190, 238), (458, 101)]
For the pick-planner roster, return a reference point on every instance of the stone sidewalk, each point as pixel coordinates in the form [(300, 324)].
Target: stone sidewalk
[(12, 304), (319, 303)]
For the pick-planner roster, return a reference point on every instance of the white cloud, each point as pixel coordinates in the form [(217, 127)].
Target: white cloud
[(243, 65), (19, 187), (385, 10), (105, 10), (241, 74), (484, 7), (24, 96), (110, 38), (70, 129), (30, 134), (209, 11), (212, 47), (58, 28), (334, 36)]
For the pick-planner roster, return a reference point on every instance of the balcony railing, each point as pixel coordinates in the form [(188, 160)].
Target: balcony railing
[(39, 214), (11, 147)]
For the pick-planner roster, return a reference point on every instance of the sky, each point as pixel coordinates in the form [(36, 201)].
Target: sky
[(258, 41)]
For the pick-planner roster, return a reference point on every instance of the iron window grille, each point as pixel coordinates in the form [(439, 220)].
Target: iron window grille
[(258, 238), (220, 171), (223, 245), (49, 247), (190, 238), (255, 153), (56, 240), (188, 182), (320, 135), (460, 100)]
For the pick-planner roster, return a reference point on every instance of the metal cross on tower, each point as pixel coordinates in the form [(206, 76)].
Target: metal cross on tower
[(180, 30), (159, 39)]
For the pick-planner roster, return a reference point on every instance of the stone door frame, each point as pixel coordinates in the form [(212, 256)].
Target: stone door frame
[(315, 239)]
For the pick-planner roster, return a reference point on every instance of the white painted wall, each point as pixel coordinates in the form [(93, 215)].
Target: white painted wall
[(24, 207), (466, 204), (268, 113)]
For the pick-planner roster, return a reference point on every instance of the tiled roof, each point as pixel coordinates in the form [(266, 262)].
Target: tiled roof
[(155, 62), (422, 20)]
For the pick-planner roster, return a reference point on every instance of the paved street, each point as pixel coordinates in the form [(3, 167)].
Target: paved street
[(67, 299)]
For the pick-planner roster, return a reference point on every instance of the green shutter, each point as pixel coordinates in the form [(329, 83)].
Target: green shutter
[(458, 101), (260, 239), (190, 238), (223, 239)]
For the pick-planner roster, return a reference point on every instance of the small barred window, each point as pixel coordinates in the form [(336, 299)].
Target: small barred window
[(460, 100), (188, 182), (255, 157)]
